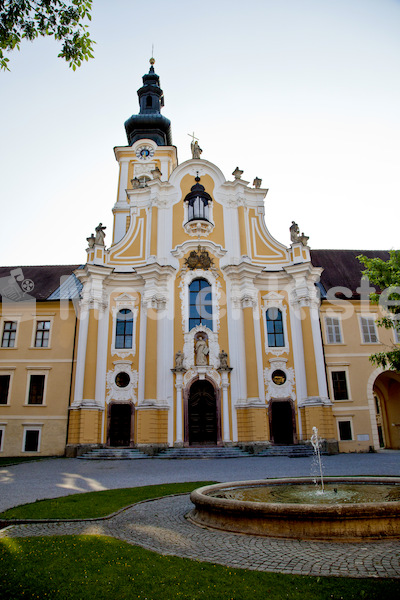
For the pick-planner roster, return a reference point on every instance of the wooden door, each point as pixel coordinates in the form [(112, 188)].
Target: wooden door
[(202, 414)]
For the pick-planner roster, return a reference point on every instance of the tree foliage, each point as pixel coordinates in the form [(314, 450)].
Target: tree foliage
[(29, 19), (386, 276)]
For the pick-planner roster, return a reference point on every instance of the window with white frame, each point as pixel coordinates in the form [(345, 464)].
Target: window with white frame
[(9, 334), (42, 335), (275, 325), (368, 330), (2, 434), (125, 314), (345, 430), (124, 329), (339, 385), (333, 330), (31, 439), (200, 304), (275, 334), (36, 388)]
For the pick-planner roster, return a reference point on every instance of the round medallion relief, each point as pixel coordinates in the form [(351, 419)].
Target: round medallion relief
[(122, 379), (278, 377)]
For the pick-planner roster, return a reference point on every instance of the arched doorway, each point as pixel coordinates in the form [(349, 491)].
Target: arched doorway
[(386, 391), (281, 418), (120, 424), (202, 418)]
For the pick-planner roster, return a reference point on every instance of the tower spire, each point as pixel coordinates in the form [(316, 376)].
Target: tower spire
[(150, 123)]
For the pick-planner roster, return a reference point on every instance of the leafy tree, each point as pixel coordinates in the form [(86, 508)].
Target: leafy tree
[(29, 19), (386, 276)]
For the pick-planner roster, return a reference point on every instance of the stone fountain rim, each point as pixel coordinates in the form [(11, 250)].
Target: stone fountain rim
[(200, 497)]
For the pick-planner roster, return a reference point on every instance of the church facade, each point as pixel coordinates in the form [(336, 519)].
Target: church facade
[(194, 327)]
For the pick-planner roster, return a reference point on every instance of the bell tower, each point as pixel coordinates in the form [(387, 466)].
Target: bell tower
[(149, 123)]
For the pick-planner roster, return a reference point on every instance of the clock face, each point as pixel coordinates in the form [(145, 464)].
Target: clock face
[(145, 152)]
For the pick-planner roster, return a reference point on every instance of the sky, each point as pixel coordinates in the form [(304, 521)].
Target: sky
[(304, 94)]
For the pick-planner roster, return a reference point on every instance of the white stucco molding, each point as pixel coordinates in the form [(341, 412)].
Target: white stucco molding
[(194, 166), (275, 300), (186, 279), (117, 393), (182, 249), (287, 389), (124, 301), (201, 372)]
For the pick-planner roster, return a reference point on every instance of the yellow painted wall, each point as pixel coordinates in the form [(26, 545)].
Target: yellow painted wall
[(252, 424), (309, 354), (89, 386), (251, 357), (152, 426), (85, 426), (55, 362), (320, 417)]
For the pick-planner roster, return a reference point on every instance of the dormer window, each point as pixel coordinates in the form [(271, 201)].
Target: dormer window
[(198, 202)]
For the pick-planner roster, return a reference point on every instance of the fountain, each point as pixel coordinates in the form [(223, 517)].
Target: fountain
[(344, 509)]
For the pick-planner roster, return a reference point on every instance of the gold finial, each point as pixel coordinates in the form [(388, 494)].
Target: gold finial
[(152, 61)]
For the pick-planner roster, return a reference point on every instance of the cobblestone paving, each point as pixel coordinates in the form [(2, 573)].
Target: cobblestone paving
[(160, 525)]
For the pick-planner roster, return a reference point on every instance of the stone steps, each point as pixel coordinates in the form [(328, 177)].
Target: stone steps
[(215, 452), (114, 454), (296, 450), (299, 450)]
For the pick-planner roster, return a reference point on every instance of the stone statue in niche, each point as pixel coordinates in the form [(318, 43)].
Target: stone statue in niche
[(201, 351), (100, 235)]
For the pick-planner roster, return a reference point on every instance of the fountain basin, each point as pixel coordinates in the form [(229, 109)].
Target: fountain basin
[(216, 507)]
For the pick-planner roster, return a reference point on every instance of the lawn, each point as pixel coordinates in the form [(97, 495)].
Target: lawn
[(102, 568), (96, 504)]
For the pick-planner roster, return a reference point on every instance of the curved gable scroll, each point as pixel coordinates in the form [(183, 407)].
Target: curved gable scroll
[(263, 246)]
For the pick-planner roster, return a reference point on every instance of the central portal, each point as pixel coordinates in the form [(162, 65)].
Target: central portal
[(202, 414)]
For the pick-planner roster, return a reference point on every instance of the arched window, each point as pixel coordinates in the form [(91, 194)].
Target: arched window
[(198, 202), (275, 333), (200, 304), (124, 329), (149, 102)]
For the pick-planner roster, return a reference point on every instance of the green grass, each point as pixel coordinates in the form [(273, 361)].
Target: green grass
[(85, 567), (96, 504)]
